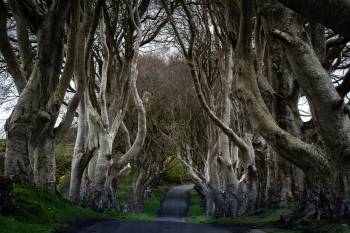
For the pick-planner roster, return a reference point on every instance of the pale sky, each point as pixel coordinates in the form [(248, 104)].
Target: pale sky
[(5, 111)]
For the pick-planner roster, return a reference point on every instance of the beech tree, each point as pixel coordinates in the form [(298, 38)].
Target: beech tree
[(35, 67), (96, 169)]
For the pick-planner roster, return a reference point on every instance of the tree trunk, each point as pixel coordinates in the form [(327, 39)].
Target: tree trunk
[(82, 155), (32, 112), (45, 164), (99, 199), (18, 155), (327, 195), (138, 199)]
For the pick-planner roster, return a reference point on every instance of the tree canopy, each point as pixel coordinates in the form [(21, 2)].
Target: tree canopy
[(214, 85)]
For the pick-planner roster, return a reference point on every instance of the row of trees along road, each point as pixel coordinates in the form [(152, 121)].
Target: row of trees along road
[(226, 105)]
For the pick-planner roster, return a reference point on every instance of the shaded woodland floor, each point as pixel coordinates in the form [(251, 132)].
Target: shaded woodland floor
[(37, 211), (54, 213)]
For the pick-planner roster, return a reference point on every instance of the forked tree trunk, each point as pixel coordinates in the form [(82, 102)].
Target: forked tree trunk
[(99, 198), (32, 114)]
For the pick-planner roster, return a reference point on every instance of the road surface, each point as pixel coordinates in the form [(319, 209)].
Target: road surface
[(175, 204), (171, 219)]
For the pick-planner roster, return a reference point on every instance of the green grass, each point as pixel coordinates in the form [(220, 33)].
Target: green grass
[(265, 216), (196, 214), (38, 211), (256, 217), (196, 209), (42, 212), (124, 190), (262, 219), (151, 205)]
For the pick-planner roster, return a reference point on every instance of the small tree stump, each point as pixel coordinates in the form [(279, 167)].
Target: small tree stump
[(6, 194)]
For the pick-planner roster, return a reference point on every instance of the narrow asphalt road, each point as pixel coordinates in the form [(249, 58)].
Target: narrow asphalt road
[(175, 204), (172, 215)]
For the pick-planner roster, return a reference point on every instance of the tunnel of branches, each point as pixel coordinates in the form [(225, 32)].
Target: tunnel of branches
[(249, 97)]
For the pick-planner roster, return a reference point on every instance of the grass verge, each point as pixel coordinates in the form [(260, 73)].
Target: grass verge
[(151, 205), (262, 219), (39, 211)]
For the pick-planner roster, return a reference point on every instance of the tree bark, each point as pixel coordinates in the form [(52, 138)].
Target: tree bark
[(32, 113), (45, 164), (82, 155)]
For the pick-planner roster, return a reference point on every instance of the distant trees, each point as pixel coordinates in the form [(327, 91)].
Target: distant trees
[(171, 98)]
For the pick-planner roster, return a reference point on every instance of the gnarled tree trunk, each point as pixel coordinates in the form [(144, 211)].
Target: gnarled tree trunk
[(32, 113)]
